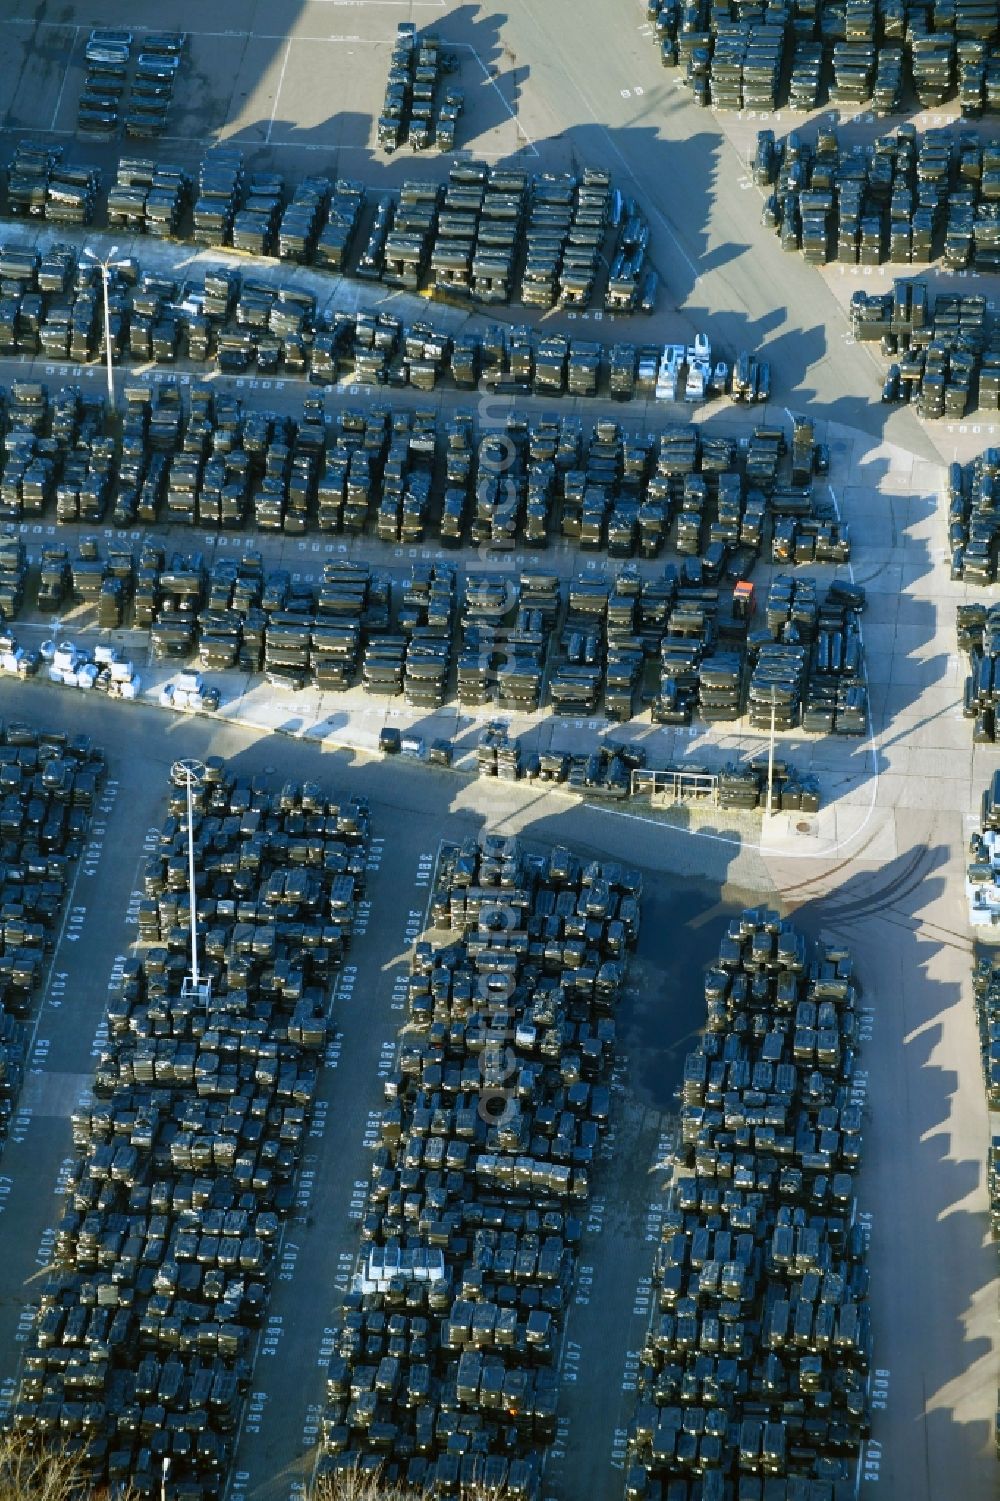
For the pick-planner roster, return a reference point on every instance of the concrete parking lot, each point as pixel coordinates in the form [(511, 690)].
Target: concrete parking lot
[(300, 83)]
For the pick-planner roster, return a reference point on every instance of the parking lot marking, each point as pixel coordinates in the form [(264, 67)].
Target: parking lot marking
[(493, 84), (62, 86), (277, 92), (20, 130), (427, 4), (235, 32)]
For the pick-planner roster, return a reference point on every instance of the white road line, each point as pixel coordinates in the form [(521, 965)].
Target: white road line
[(328, 146), (260, 36), (254, 1363), (62, 87), (70, 902), (433, 885), (357, 4), (493, 84), (24, 129), (298, 36), (277, 92), (489, 156)]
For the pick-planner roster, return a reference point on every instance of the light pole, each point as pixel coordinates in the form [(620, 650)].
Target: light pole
[(190, 774), (770, 754), (106, 264)]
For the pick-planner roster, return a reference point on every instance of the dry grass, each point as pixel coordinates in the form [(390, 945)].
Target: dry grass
[(358, 1485), (29, 1474), (362, 1485), (33, 1472), (44, 1476)]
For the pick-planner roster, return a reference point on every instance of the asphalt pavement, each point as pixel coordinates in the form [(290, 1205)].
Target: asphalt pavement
[(690, 890), (901, 917)]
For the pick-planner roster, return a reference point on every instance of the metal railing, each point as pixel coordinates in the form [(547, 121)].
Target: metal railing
[(674, 785)]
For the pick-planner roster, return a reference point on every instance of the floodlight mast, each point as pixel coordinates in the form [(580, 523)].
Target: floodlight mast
[(191, 774), (192, 901), (106, 264), (770, 758)]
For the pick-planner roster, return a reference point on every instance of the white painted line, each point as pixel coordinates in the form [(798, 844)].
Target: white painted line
[(328, 146), (277, 92), (489, 156), (62, 86), (493, 84), (26, 129), (260, 36), (428, 4), (298, 36), (51, 970)]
